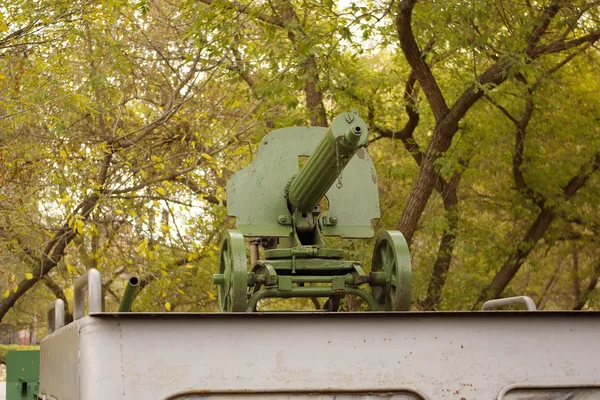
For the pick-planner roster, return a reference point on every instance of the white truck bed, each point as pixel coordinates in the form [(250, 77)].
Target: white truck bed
[(456, 355)]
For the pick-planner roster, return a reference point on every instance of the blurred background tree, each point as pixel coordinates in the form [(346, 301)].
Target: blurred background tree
[(121, 122)]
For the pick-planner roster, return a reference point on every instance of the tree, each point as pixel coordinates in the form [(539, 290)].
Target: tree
[(122, 122)]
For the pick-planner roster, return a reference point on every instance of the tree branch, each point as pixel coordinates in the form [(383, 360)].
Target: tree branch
[(246, 9), (59, 294), (195, 188), (520, 132), (582, 301), (535, 233), (582, 176), (239, 68), (406, 133), (501, 109), (413, 55), (446, 248), (576, 273), (548, 287), (55, 249), (540, 29), (301, 43), (562, 45)]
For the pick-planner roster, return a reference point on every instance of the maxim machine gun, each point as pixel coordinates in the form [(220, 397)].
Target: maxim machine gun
[(289, 209)]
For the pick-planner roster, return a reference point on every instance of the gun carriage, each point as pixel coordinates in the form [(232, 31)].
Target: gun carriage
[(289, 209)]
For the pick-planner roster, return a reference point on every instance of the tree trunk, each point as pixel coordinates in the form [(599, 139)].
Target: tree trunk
[(299, 39), (444, 255), (516, 259)]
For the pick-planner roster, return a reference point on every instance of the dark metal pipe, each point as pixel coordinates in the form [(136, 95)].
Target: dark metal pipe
[(131, 290)]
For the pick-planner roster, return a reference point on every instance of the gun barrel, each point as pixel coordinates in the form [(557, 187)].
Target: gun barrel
[(131, 290), (347, 133)]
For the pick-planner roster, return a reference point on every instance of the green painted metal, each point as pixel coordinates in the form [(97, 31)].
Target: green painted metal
[(391, 256), (312, 264), (131, 290), (277, 197), (309, 292), (22, 374), (233, 268), (304, 252), (256, 195), (265, 274), (347, 133)]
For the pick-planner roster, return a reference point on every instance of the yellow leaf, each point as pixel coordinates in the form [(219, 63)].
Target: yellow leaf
[(7, 293), (164, 294), (160, 191), (206, 156), (63, 154), (16, 289), (189, 266), (28, 275), (119, 212), (211, 295), (180, 291), (168, 306), (71, 269), (78, 226), (163, 272)]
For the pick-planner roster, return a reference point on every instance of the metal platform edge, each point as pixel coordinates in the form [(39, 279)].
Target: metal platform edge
[(352, 315)]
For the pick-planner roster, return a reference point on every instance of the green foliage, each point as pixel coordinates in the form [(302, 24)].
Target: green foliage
[(146, 108)]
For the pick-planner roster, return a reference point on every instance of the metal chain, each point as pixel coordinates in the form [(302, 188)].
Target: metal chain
[(339, 184)]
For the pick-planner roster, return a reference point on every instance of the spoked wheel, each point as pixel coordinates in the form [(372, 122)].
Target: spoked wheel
[(392, 257), (232, 265)]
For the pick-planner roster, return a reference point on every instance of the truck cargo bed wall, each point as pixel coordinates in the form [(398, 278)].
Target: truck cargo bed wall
[(438, 355)]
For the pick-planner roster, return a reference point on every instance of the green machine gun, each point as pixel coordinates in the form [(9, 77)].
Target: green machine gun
[(289, 209)]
